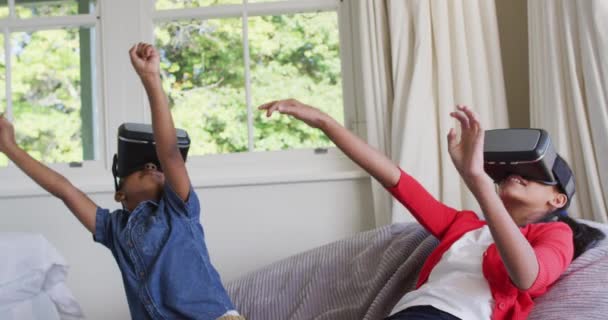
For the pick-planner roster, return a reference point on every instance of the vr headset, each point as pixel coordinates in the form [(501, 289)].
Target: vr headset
[(528, 153), (136, 148)]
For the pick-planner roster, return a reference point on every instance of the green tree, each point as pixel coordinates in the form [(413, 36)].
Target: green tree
[(291, 56), (46, 94), (294, 55)]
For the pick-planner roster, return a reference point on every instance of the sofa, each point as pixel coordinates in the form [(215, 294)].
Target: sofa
[(364, 276)]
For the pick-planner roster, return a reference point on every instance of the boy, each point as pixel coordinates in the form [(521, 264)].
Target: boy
[(157, 239)]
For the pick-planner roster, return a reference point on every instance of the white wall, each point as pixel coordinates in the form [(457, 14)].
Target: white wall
[(247, 227)]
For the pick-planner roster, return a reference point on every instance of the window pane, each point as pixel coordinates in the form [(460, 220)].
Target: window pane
[(52, 93), (253, 1), (295, 56), (180, 4), (3, 159), (2, 75), (3, 9), (46, 8), (202, 66)]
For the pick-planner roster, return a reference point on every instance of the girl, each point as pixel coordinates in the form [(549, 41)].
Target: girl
[(481, 269)]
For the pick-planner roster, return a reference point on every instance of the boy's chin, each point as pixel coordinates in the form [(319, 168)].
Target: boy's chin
[(158, 192), (154, 192)]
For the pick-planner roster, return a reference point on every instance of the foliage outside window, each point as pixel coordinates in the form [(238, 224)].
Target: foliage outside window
[(290, 55), (52, 76), (51, 79)]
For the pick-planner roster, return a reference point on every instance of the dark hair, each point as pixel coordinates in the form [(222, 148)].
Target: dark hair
[(584, 238)]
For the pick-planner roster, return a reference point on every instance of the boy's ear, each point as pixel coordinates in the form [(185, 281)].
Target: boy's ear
[(119, 196)]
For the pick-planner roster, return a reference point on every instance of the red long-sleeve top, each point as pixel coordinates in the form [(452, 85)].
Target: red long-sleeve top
[(552, 243)]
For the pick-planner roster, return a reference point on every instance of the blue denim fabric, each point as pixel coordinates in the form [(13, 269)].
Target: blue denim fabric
[(161, 252)]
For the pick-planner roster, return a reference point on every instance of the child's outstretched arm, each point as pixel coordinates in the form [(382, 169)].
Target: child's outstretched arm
[(80, 204), (435, 216), (516, 252), (370, 159), (145, 60)]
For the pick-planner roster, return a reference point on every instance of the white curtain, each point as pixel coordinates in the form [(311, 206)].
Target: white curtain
[(569, 92), (419, 59)]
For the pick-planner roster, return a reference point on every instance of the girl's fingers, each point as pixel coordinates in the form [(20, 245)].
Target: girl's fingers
[(267, 105), (281, 106), (271, 107), (271, 110), (472, 116), (462, 118), (452, 138), (275, 107)]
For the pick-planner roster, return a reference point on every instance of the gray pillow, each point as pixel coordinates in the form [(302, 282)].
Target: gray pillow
[(582, 291)]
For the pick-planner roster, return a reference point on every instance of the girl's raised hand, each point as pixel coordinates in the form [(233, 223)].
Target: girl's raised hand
[(467, 154), (309, 115)]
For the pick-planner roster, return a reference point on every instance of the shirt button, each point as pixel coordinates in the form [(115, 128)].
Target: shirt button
[(485, 254), (502, 306), (142, 274), (130, 244)]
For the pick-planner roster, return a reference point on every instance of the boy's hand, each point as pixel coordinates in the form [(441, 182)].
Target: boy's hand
[(309, 115), (145, 60), (83, 208), (467, 154), (7, 134)]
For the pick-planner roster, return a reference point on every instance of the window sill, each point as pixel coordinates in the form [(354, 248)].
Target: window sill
[(214, 171)]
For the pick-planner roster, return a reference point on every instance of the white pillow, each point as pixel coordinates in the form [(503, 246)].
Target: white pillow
[(33, 266)]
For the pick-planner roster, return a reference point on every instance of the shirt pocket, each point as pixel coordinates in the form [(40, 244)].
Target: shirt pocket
[(152, 234)]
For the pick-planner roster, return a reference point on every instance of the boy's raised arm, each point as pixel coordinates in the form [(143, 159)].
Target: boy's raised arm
[(79, 203), (145, 60)]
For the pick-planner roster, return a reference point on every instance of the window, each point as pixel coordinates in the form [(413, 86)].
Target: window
[(67, 84), (222, 58), (48, 83)]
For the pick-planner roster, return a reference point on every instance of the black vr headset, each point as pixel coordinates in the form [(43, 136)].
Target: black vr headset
[(528, 153), (136, 148)]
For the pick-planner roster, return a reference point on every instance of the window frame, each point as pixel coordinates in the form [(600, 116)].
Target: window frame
[(12, 24), (247, 10), (119, 87)]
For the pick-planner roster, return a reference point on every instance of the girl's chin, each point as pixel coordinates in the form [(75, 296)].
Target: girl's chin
[(510, 194)]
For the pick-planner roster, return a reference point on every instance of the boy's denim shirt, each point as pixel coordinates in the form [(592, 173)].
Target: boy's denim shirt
[(161, 252)]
